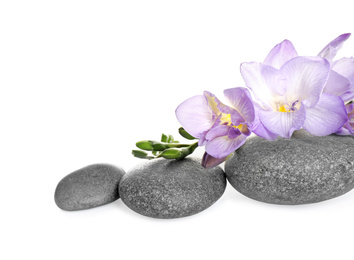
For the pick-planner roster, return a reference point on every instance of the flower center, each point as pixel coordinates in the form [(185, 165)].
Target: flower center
[(226, 120), (289, 108)]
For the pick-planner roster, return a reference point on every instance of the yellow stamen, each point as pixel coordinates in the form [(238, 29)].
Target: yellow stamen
[(239, 126), (282, 109), (225, 118)]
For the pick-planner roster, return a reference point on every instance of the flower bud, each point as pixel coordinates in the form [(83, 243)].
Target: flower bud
[(139, 154), (151, 146), (185, 134), (171, 153), (144, 145)]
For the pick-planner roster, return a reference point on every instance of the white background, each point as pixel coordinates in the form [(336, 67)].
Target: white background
[(82, 81)]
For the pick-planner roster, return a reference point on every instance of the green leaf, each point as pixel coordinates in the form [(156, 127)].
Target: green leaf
[(142, 155), (185, 134), (139, 154), (170, 139), (164, 138)]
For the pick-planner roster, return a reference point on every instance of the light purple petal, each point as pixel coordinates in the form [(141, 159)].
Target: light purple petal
[(217, 131), (327, 117), (195, 115), (331, 49), (240, 99), (350, 108), (233, 133), (348, 127), (283, 123), (280, 54), (221, 147), (344, 131), (345, 67), (259, 129), (209, 161), (339, 85), (264, 81), (213, 103), (236, 117), (306, 77)]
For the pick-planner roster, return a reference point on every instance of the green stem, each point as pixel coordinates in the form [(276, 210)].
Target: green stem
[(177, 145)]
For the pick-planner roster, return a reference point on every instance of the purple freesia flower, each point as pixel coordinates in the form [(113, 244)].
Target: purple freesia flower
[(221, 128), (288, 92), (341, 77)]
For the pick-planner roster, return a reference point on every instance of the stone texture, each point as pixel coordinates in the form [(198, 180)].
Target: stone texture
[(89, 187), (167, 189), (303, 169)]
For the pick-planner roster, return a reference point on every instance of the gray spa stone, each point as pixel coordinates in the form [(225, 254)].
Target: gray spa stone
[(168, 189), (303, 169), (89, 187)]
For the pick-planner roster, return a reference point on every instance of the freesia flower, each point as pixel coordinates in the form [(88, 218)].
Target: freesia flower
[(288, 93), (221, 128), (341, 77), (348, 128)]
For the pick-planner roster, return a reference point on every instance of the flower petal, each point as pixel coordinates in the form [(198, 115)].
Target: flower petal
[(217, 131), (339, 85), (264, 81), (233, 133), (259, 129), (350, 108), (221, 147), (345, 67), (348, 127), (283, 123), (280, 54), (195, 115), (344, 131), (240, 99), (306, 77), (331, 49), (327, 117), (213, 102)]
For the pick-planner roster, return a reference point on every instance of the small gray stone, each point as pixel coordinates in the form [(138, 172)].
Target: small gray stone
[(167, 189), (89, 187), (303, 169)]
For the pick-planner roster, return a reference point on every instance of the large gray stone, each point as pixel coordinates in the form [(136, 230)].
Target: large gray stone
[(89, 187), (303, 169), (167, 189)]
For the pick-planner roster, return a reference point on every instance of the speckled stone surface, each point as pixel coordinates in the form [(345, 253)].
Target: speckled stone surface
[(303, 169), (168, 189), (89, 187)]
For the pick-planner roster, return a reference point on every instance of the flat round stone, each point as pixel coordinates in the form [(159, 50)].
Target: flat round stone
[(89, 187), (303, 169), (167, 189)]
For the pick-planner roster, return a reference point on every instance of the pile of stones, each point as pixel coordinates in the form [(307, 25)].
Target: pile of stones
[(303, 169)]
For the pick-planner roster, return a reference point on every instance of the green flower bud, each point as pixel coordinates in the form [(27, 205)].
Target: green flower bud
[(141, 154), (157, 146), (171, 153), (151, 146), (144, 145), (185, 134)]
